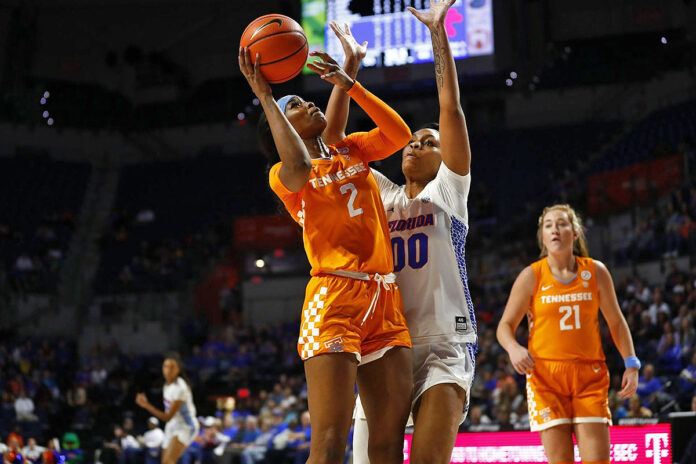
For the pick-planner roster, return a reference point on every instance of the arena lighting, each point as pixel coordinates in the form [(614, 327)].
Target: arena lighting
[(508, 82), (241, 116), (260, 263), (47, 94), (535, 79), (513, 74), (50, 121), (663, 40), (45, 114), (256, 102), (42, 101)]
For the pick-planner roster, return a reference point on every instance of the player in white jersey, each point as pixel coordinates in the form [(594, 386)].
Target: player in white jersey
[(179, 411), (428, 223)]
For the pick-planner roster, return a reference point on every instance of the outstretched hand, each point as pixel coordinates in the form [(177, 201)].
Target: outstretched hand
[(435, 15), (252, 73), (351, 48), (330, 71)]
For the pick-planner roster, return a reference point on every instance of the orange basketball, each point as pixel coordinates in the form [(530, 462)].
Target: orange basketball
[(281, 44)]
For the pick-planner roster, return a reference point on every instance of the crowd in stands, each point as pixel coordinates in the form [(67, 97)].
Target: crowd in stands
[(48, 390), (170, 218), (40, 199), (154, 263)]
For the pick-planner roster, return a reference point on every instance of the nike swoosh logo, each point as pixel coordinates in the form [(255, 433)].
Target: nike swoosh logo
[(546, 287), (597, 370), (276, 20)]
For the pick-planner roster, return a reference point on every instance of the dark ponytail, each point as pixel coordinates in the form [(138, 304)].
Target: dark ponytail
[(266, 142)]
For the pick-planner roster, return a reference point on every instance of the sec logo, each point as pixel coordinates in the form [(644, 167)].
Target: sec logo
[(585, 275)]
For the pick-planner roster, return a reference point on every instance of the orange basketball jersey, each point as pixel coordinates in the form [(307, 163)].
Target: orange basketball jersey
[(563, 319), (340, 210)]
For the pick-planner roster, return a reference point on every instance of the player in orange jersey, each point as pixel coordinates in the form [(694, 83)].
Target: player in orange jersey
[(567, 378), (353, 326), (429, 224)]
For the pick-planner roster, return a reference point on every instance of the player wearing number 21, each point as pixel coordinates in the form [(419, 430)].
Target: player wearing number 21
[(353, 324), (567, 378)]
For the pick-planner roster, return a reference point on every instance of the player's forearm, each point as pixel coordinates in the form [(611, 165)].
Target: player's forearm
[(621, 335), (445, 70), (291, 149), (391, 126), (338, 107), (506, 336)]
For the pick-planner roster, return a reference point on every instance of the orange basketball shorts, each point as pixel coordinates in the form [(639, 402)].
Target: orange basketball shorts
[(337, 317), (567, 392)]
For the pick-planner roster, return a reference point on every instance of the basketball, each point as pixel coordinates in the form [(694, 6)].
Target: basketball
[(281, 44)]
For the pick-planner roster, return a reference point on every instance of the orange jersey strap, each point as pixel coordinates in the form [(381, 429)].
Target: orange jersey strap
[(391, 132)]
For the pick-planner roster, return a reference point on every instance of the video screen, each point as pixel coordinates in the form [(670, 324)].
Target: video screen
[(395, 37)]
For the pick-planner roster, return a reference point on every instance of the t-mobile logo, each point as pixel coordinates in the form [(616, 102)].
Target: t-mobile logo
[(656, 446)]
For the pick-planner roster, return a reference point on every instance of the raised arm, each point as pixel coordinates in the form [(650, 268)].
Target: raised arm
[(618, 327), (454, 138), (515, 309), (297, 164), (339, 102)]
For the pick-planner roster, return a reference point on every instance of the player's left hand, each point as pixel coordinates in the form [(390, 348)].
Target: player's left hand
[(435, 15), (629, 384), (330, 71)]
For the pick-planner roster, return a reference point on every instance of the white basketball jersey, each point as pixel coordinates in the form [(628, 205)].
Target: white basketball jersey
[(428, 234), (179, 390)]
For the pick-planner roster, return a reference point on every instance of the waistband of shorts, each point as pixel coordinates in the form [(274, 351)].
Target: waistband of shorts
[(388, 278)]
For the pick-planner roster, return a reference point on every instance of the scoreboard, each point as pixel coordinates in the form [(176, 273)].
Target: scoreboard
[(395, 37)]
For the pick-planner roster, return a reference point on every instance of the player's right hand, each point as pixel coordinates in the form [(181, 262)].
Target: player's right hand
[(252, 73), (435, 15), (521, 360), (141, 400)]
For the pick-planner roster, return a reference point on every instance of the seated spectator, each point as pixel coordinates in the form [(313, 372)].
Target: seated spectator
[(299, 441), (13, 454), (211, 440), (520, 416), (688, 378), (51, 455), (669, 352), (152, 442), (616, 407), (648, 384), (33, 452), (636, 409), (476, 420), (24, 407), (256, 451), (244, 438), (687, 334), (658, 306)]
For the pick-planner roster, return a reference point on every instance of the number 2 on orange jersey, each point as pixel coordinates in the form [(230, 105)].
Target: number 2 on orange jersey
[(345, 188)]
